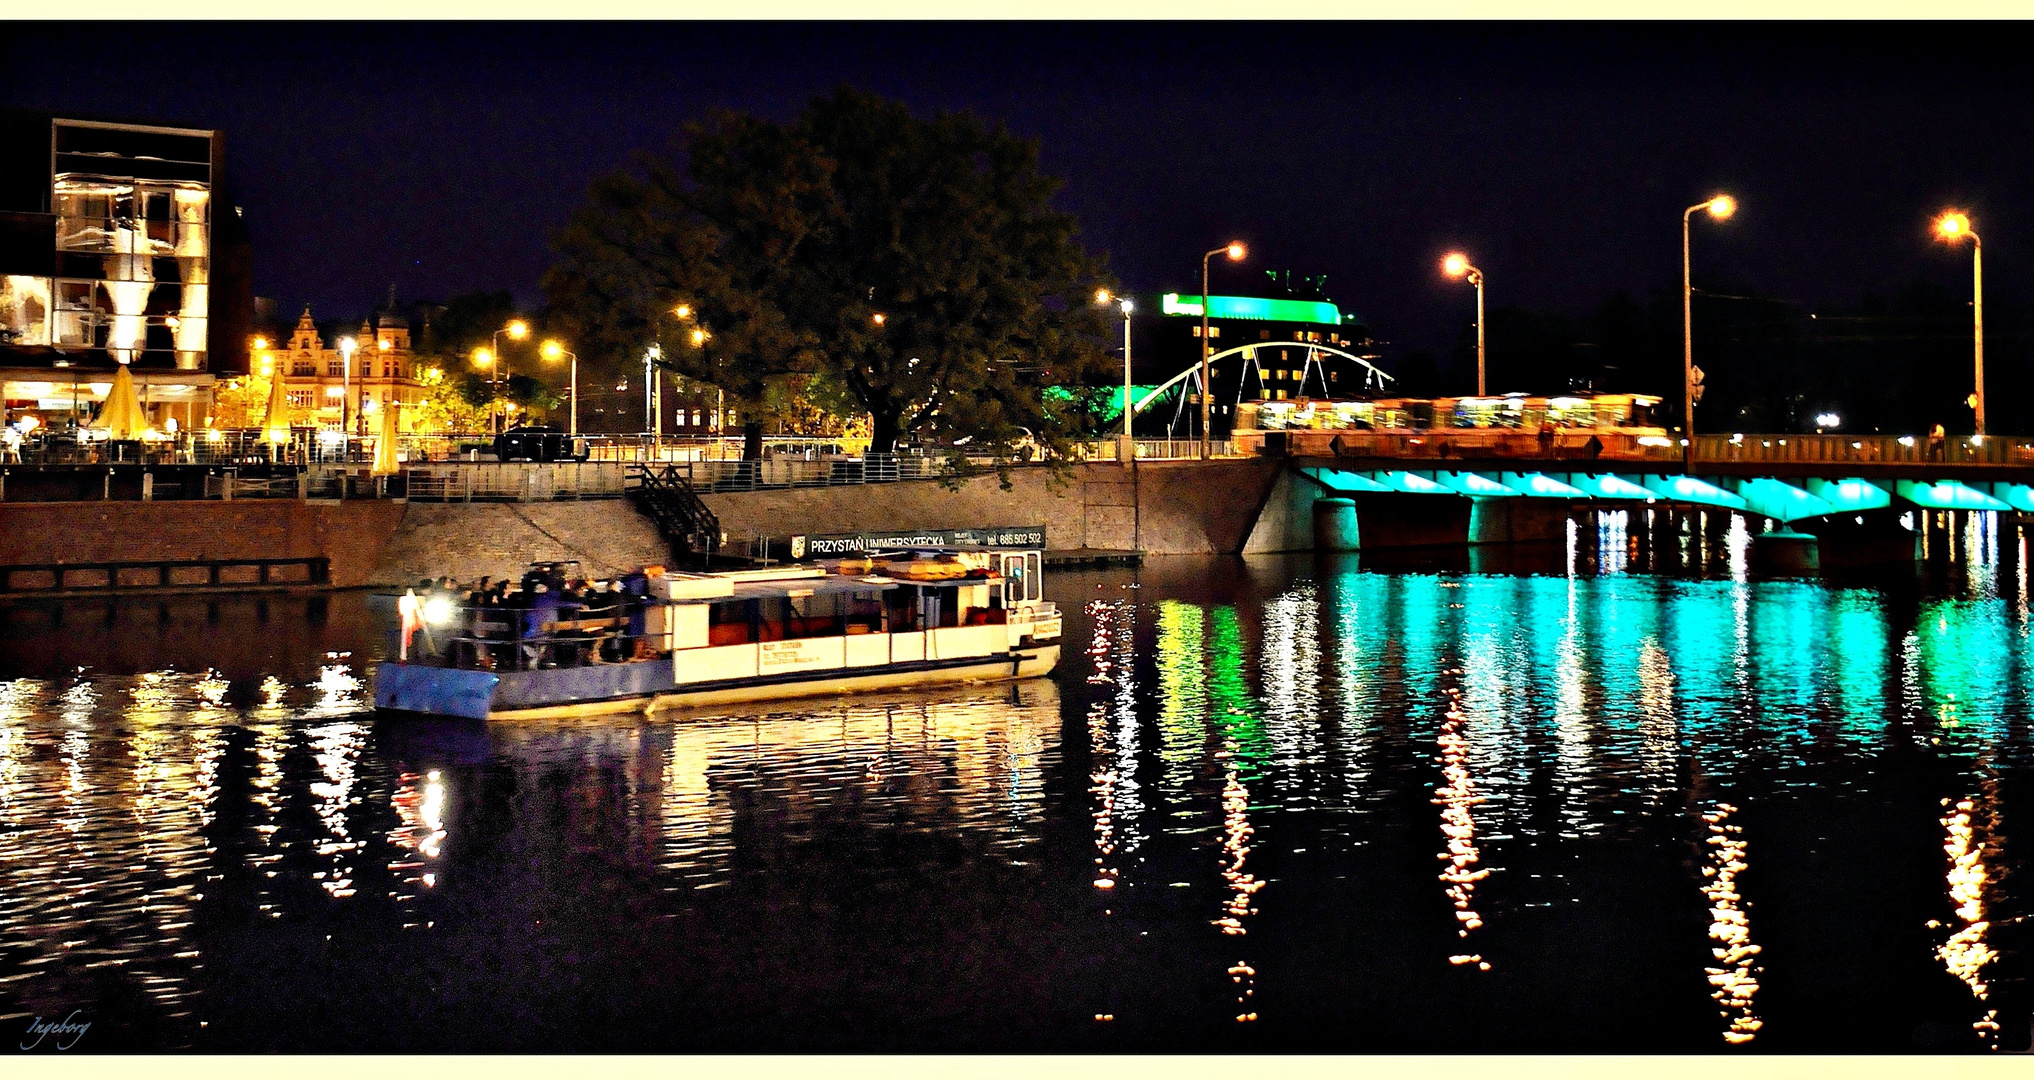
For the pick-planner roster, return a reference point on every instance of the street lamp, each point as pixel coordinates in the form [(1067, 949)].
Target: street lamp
[(346, 349), (1953, 226), (1456, 265), (517, 330), (1126, 446), (552, 351), (1720, 208), (1235, 250)]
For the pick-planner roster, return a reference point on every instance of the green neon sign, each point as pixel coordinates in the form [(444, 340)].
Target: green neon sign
[(1253, 307)]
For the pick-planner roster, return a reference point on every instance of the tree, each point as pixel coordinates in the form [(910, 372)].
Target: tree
[(448, 403), (915, 263)]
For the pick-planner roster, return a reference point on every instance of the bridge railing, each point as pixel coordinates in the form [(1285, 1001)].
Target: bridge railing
[(1865, 450)]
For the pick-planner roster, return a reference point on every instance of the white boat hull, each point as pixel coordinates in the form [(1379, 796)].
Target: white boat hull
[(1030, 662)]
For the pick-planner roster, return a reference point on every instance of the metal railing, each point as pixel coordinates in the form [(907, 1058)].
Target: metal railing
[(461, 481), (1866, 450)]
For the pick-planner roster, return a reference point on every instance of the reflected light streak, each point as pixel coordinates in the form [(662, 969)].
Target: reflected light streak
[(1966, 953), (1243, 886), (1129, 801), (1659, 728), (1102, 775), (1737, 543), (1456, 795), (1734, 976)]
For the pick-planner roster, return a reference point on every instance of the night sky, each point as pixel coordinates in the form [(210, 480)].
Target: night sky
[(440, 157)]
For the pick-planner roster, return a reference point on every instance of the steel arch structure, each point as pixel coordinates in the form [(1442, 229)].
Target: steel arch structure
[(1313, 352)]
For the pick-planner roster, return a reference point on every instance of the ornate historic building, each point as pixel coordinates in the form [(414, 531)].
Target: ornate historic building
[(323, 389)]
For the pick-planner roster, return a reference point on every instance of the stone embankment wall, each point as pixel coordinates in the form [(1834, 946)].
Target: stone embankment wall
[(1161, 508), (351, 534), (470, 540)]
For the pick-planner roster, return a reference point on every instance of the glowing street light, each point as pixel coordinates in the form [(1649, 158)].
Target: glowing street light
[(1720, 207), (347, 347), (553, 351), (1126, 446), (1456, 265), (1235, 250), (1952, 227)]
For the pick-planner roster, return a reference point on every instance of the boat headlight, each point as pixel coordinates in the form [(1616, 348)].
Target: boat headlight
[(438, 611)]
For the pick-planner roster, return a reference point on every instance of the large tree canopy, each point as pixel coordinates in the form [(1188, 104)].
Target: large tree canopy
[(916, 265)]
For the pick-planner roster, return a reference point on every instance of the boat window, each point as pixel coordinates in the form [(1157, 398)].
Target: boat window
[(940, 605), (1034, 579), (731, 623), (863, 612), (901, 605)]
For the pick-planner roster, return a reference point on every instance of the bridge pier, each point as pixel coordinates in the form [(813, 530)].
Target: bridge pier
[(1871, 538)]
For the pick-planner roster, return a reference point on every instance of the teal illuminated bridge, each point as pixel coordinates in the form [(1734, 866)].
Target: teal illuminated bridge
[(1793, 499)]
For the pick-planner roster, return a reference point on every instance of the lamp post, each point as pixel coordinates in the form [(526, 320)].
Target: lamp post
[(517, 330), (1720, 208), (552, 351), (1235, 250), (650, 357), (347, 346), (1953, 226), (1456, 265), (1126, 444)]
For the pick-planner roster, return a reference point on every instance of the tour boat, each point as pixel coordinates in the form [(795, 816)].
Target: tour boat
[(894, 621)]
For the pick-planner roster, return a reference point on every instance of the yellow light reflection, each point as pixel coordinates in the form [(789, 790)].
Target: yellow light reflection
[(1456, 795), (1734, 977), (1966, 953), (1236, 832)]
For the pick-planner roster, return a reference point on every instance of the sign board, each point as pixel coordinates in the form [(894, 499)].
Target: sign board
[(798, 653), (1013, 536)]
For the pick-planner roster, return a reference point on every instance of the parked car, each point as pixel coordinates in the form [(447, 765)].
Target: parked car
[(537, 443)]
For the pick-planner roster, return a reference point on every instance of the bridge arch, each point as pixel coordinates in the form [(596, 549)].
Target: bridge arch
[(1373, 374)]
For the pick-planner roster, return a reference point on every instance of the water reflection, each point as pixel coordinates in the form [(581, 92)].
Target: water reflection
[(1733, 978), (1966, 954), (1241, 853), (1457, 797)]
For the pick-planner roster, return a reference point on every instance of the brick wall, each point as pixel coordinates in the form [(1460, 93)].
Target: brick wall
[(351, 534)]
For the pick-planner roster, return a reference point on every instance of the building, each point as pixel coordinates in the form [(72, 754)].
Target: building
[(118, 246), (324, 388), (1277, 324)]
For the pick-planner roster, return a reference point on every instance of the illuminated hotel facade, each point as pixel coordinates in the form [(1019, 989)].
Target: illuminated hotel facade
[(321, 388), (117, 248)]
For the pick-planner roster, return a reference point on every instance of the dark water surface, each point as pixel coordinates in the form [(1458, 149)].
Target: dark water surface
[(1283, 804)]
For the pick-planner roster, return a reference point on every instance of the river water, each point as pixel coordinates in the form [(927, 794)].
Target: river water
[(1515, 801)]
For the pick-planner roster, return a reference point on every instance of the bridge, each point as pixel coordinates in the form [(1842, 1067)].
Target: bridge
[(1846, 499)]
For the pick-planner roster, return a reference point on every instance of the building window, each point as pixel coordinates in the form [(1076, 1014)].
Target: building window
[(300, 399), (1264, 335), (303, 366), (335, 367)]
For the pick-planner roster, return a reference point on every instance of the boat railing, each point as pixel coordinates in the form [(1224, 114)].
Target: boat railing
[(499, 637)]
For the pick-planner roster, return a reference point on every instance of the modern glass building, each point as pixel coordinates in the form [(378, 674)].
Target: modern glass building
[(117, 248)]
